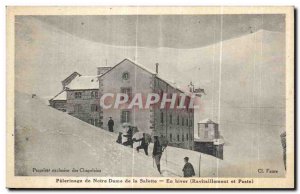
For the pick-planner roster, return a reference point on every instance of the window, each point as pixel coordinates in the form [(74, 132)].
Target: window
[(94, 122), (187, 122), (182, 139), (177, 101), (182, 121), (97, 123), (125, 116), (161, 117), (170, 137), (187, 136), (125, 76), (170, 119), (77, 108), (206, 134), (191, 122), (91, 121), (77, 95), (206, 125), (127, 91), (94, 94), (178, 120), (94, 108), (178, 137)]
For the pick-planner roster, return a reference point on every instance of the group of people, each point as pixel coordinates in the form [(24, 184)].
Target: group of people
[(158, 147)]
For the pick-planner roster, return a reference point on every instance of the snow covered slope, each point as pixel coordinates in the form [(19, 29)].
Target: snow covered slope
[(252, 108), (48, 138)]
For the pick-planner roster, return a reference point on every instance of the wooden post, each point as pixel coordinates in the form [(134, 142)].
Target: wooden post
[(166, 156), (199, 164)]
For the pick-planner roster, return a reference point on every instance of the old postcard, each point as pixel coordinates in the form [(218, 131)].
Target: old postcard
[(150, 97)]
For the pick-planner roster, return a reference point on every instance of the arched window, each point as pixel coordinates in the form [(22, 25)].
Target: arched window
[(125, 76)]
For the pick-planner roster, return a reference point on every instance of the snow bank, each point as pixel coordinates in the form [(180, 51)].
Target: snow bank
[(47, 138)]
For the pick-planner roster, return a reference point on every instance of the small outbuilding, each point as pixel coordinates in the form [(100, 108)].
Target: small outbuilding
[(207, 138), (207, 131)]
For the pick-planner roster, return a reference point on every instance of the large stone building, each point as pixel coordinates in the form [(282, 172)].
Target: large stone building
[(83, 99), (127, 77), (59, 101)]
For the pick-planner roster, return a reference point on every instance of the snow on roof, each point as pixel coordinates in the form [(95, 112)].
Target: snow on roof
[(74, 73), (149, 71), (207, 120), (61, 96), (172, 84), (142, 67), (198, 139), (84, 83), (131, 61)]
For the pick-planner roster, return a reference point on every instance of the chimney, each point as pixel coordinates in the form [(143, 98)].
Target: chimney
[(102, 70), (156, 69)]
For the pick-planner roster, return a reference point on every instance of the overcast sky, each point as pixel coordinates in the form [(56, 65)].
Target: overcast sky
[(184, 31)]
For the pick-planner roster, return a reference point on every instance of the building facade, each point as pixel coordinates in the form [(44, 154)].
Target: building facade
[(59, 101), (207, 131), (175, 124), (131, 78), (207, 138), (83, 99), (83, 95)]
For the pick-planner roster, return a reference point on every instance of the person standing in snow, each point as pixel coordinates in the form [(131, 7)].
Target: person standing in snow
[(188, 169), (111, 125), (144, 144), (157, 153), (119, 140), (129, 135)]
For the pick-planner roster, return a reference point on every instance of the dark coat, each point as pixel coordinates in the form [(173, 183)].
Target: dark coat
[(119, 140), (111, 123), (129, 133), (143, 141), (157, 149), (188, 170)]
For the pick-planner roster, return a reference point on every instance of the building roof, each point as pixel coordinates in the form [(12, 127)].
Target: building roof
[(207, 120), (147, 70), (62, 95), (198, 139), (131, 61), (84, 83), (72, 74)]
